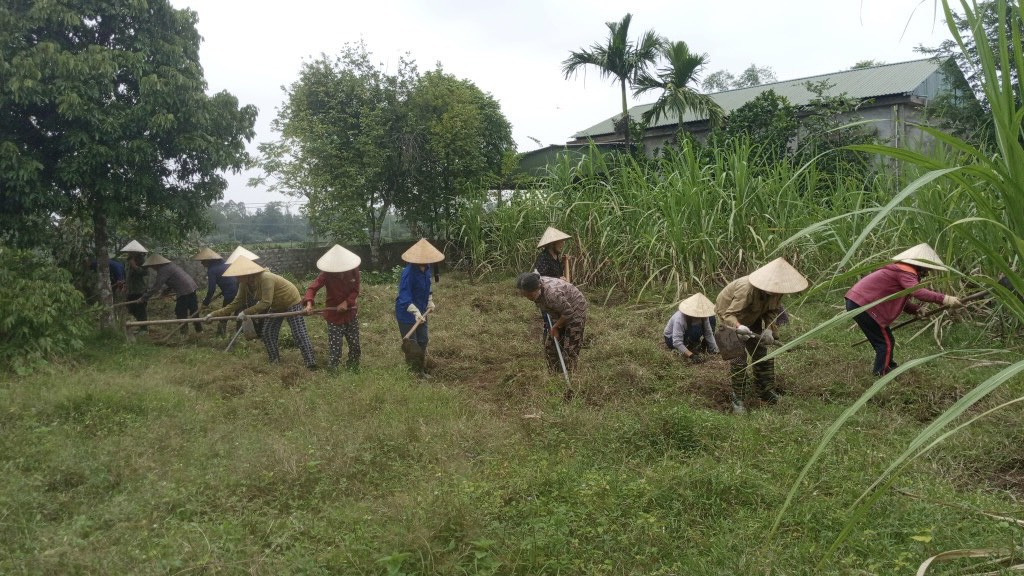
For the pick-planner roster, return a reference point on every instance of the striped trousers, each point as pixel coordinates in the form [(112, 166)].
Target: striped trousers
[(272, 329)]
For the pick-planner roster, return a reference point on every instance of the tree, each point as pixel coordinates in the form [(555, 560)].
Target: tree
[(460, 140), (674, 81), (104, 118), (755, 76), (618, 58), (861, 64), (719, 81), (769, 120), (828, 127), (962, 108), (360, 144), (343, 144), (722, 80)]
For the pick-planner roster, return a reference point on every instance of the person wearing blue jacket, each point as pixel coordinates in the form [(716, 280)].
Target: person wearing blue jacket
[(415, 300), (215, 278)]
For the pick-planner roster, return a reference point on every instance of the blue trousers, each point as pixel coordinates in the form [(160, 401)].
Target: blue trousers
[(880, 338)]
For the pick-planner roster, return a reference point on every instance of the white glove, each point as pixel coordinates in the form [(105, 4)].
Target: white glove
[(412, 309), (767, 338), (951, 301), (207, 318), (743, 330), (241, 316), (430, 303)]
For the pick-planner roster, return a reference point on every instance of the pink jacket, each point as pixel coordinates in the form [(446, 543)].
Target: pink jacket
[(886, 281)]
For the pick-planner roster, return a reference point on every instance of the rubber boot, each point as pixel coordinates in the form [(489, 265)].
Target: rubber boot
[(738, 378), (764, 380)]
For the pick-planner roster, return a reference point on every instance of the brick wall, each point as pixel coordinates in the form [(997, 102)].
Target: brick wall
[(301, 262)]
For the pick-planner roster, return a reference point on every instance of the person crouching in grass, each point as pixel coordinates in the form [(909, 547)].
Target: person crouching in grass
[(691, 330)]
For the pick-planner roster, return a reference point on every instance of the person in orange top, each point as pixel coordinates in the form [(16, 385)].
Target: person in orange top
[(340, 275)]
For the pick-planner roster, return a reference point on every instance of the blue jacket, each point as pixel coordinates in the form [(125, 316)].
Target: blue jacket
[(413, 288), (215, 278), (116, 270)]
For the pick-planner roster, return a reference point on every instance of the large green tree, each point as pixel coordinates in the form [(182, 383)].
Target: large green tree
[(360, 143), (104, 117), (675, 80), (619, 58), (461, 139), (344, 143)]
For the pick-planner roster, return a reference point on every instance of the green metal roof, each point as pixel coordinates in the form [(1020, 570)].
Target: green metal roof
[(917, 77)]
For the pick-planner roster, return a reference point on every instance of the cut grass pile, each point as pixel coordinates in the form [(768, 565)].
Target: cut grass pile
[(182, 459)]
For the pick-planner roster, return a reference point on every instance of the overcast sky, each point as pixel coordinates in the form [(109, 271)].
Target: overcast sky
[(514, 50)]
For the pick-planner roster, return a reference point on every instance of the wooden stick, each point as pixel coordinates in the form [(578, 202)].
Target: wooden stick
[(930, 313), (415, 326), (226, 318), (566, 268)]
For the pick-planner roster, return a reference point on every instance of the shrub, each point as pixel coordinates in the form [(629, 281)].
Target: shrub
[(42, 316)]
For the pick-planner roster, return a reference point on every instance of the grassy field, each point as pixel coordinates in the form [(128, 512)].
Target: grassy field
[(179, 458)]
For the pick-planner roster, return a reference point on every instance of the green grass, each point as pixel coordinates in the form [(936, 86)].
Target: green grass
[(181, 459)]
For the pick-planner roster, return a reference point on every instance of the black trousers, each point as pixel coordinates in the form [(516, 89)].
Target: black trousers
[(186, 306)]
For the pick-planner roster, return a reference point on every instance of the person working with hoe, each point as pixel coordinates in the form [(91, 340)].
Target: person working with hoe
[(748, 309), (565, 308), (171, 276), (215, 278), (415, 301), (272, 294), (551, 261), (906, 271), (339, 273)]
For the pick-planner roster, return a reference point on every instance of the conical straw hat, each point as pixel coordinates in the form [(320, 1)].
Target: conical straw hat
[(697, 306), (422, 252), (155, 259), (240, 252), (207, 254), (778, 277), (552, 234), (134, 246), (338, 259), (242, 266), (921, 255)]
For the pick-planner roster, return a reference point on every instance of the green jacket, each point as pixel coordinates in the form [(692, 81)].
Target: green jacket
[(274, 294), (740, 303)]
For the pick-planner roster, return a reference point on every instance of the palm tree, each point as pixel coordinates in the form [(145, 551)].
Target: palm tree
[(619, 58), (674, 80)]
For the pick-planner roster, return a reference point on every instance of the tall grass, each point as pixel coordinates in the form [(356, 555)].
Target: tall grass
[(700, 216)]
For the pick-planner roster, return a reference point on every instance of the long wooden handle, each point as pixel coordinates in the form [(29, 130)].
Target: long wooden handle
[(566, 268), (930, 313), (415, 326), (225, 318)]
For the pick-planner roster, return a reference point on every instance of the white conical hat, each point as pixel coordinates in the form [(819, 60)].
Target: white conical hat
[(422, 252), (552, 234), (134, 246), (242, 266), (338, 259), (155, 260), (778, 277), (240, 251), (921, 255), (697, 306), (207, 254)]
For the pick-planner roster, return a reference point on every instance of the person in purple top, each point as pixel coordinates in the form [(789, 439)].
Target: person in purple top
[(906, 271)]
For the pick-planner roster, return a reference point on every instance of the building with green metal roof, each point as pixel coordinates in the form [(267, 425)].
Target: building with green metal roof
[(892, 98)]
